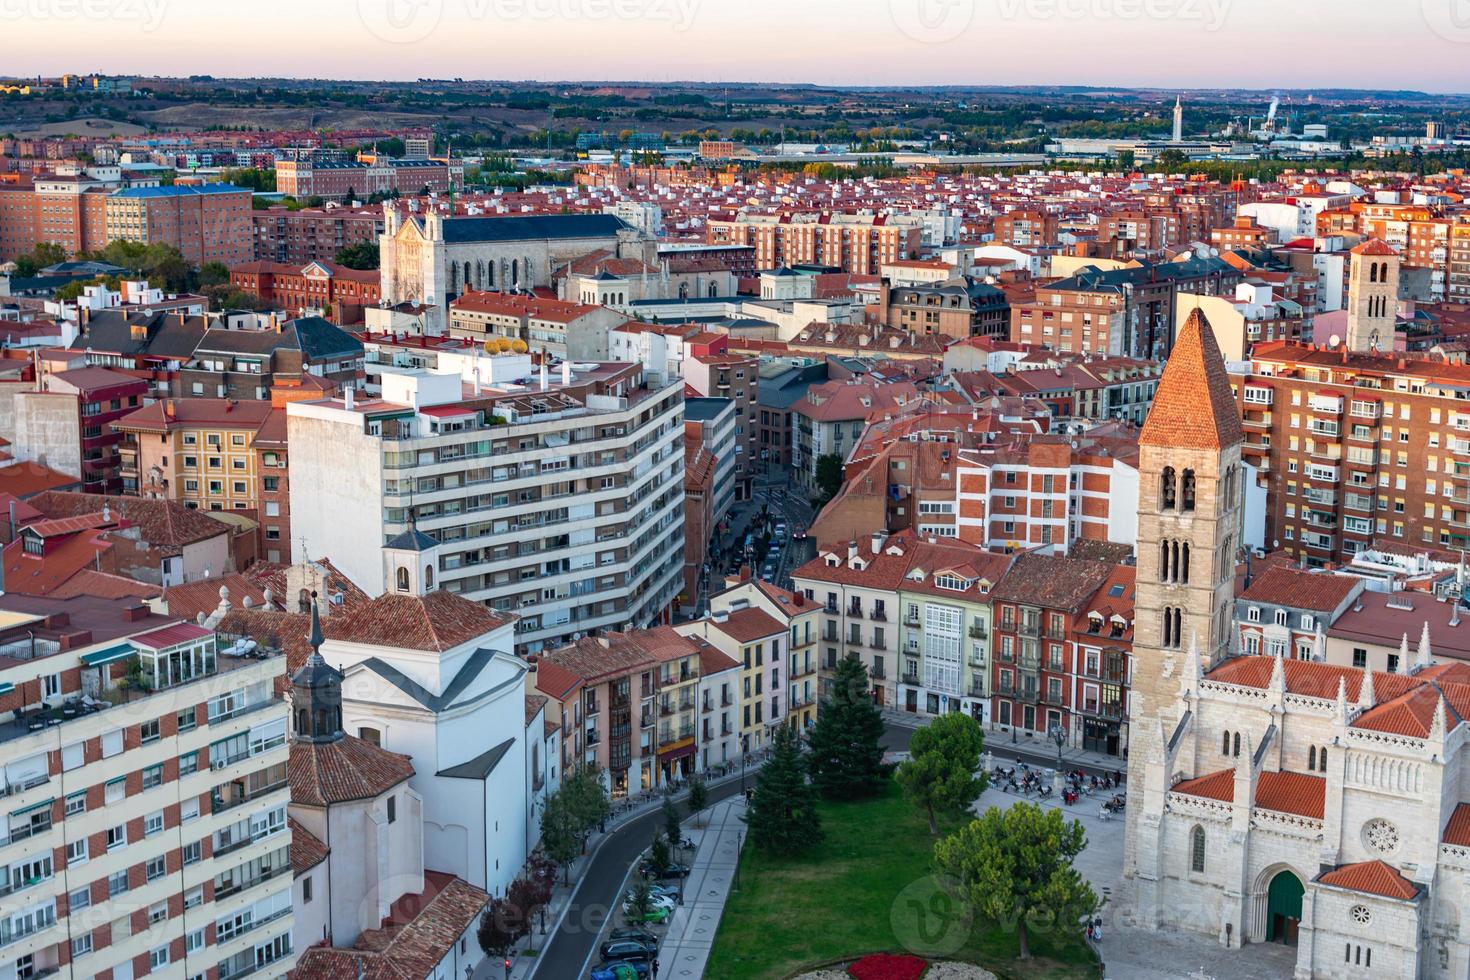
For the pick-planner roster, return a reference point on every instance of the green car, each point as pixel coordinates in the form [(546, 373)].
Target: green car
[(656, 913)]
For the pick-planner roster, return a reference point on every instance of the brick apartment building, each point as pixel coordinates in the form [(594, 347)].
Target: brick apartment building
[(147, 822), (340, 293), (311, 234), (212, 454), (342, 180), (102, 397), (959, 309), (66, 211), (846, 242), (1026, 228), (1354, 448), (1127, 311), (206, 222)]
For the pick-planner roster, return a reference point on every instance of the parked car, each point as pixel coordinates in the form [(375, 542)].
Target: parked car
[(625, 949), (668, 871), (633, 935), (656, 913), (620, 970)]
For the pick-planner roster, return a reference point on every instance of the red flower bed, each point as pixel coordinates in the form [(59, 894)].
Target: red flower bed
[(888, 966)]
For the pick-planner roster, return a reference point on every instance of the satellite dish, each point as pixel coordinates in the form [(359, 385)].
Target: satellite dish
[(1334, 340), (147, 312)]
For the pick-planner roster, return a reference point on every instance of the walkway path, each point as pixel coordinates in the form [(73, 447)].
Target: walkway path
[(692, 930)]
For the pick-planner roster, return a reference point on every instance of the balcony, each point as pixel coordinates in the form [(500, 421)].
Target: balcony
[(976, 689), (1053, 698), (911, 677), (1006, 689), (877, 673), (878, 615), (911, 618), (1326, 404), (854, 612), (1031, 629), (978, 632)]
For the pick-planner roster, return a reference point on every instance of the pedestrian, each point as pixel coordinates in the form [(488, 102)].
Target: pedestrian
[(655, 968)]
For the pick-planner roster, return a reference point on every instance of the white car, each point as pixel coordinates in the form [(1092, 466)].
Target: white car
[(667, 901)]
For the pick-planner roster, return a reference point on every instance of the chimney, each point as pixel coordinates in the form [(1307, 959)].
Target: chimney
[(852, 551), (545, 371), (348, 398), (878, 538), (134, 613)]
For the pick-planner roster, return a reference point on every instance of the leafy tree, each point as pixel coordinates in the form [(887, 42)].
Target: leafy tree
[(1126, 159), (829, 476), (1170, 160), (940, 772), (846, 760), (698, 795), (658, 853), (213, 274), (359, 255), (522, 899), (1015, 865), (561, 835), (499, 928), (782, 815), (640, 902), (672, 819), (586, 798), (43, 255)]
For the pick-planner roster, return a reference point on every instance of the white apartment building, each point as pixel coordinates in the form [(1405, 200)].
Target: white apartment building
[(560, 503), (145, 781)]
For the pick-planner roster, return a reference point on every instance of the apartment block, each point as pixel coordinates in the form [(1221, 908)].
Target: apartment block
[(205, 222), (1356, 448), (563, 504), (147, 790), (311, 235), (102, 396), (859, 243), (802, 619)]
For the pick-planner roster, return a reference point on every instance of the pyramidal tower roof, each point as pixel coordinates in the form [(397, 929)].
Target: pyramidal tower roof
[(1193, 406)]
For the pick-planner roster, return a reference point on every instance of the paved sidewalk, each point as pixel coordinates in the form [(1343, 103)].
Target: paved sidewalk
[(686, 946), (1038, 749)]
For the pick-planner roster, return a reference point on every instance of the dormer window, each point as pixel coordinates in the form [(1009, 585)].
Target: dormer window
[(953, 582), (1281, 617), (1253, 614)]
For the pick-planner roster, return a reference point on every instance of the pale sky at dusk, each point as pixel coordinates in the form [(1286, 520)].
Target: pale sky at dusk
[(1386, 44)]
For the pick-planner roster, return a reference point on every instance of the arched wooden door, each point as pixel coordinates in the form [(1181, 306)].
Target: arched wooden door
[(1283, 908)]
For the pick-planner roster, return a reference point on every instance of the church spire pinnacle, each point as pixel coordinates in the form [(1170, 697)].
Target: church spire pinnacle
[(1194, 407)]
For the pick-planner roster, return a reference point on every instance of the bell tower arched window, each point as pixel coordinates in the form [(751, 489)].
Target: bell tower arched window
[(1186, 491), (1166, 489), (401, 579)]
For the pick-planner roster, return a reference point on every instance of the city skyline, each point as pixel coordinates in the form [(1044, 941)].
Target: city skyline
[(1168, 43)]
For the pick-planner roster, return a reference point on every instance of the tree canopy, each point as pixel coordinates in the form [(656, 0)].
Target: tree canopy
[(1016, 865), (940, 774), (846, 760), (782, 815)]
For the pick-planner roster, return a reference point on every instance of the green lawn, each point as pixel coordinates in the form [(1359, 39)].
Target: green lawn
[(858, 894)]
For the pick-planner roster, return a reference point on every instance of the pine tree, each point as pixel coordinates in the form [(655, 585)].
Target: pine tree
[(940, 774), (698, 796), (846, 760), (782, 815)]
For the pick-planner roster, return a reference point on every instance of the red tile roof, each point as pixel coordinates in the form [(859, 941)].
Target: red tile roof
[(419, 933), (749, 624), (1372, 878), (436, 622), (1291, 792), (1301, 589), (1193, 407), (307, 849), (1373, 246), (1457, 831), (1216, 786), (325, 773)]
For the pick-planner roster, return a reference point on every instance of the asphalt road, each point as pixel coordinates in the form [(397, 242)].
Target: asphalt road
[(601, 888), (602, 882)]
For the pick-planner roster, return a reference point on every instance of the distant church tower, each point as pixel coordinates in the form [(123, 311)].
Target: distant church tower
[(1189, 490), (1178, 119), (1373, 295)]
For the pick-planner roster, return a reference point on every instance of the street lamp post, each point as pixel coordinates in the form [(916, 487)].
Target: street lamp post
[(1059, 736)]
